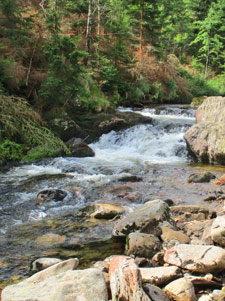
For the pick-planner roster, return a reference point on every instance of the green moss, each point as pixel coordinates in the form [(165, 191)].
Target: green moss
[(40, 152)]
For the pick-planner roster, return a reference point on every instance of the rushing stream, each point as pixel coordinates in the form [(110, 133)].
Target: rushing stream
[(156, 153)]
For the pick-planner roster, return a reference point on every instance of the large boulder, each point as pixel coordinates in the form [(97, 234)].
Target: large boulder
[(206, 139), (148, 218), (60, 283), (79, 149)]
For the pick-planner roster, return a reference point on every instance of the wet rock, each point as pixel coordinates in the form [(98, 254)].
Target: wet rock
[(59, 283), (66, 128), (197, 258), (203, 177), (125, 280), (218, 230), (43, 263), (120, 189), (51, 195), (102, 211), (147, 218), (160, 275), (154, 292), (79, 149), (50, 239), (141, 244), (119, 121), (114, 123), (130, 179), (169, 202), (205, 140), (169, 234), (181, 290)]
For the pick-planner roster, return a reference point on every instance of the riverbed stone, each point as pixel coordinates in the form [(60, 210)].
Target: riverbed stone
[(218, 230), (103, 211), (43, 263), (148, 218), (190, 211), (197, 258), (181, 290), (48, 195), (154, 292), (50, 239), (67, 285), (125, 280), (160, 275), (142, 244), (203, 177), (169, 234)]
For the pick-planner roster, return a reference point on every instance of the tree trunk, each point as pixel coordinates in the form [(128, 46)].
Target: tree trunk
[(99, 24), (141, 30), (89, 27)]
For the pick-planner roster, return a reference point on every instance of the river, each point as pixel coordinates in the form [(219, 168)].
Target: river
[(155, 153)]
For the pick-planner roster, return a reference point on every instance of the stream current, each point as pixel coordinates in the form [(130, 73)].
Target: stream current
[(155, 152)]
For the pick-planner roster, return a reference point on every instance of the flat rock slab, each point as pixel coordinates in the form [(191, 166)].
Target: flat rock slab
[(160, 275), (79, 285), (197, 258), (146, 219), (125, 280)]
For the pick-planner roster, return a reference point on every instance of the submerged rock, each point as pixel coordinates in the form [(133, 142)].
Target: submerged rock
[(102, 211), (51, 195), (204, 177), (147, 218)]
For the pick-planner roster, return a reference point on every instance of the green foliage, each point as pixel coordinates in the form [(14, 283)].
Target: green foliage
[(200, 87), (20, 123), (65, 71), (45, 151), (10, 151)]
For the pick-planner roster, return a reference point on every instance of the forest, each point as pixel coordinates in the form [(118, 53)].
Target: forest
[(63, 57)]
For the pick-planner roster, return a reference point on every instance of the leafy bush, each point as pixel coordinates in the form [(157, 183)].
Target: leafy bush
[(10, 151), (199, 86)]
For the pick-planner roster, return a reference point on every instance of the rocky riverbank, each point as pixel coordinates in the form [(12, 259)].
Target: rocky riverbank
[(172, 250), (171, 253)]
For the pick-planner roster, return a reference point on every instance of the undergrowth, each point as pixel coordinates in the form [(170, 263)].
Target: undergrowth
[(22, 129)]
